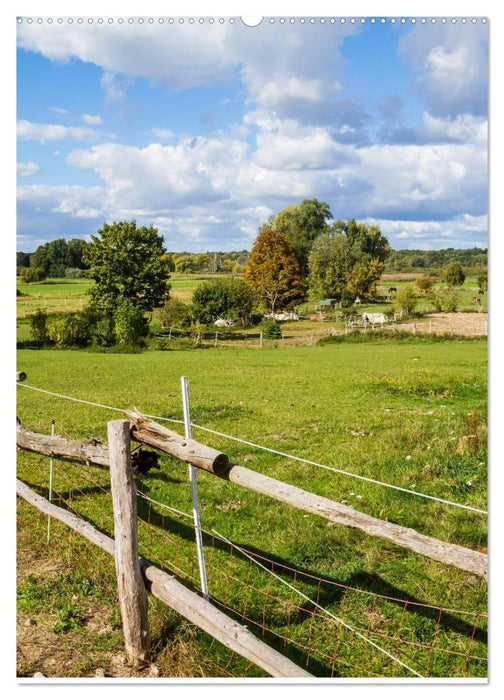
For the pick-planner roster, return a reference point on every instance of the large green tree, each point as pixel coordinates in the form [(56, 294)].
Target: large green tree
[(303, 224), (273, 271), (127, 263), (349, 257)]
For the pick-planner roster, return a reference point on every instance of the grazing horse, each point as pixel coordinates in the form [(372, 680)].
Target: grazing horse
[(391, 290), (477, 300)]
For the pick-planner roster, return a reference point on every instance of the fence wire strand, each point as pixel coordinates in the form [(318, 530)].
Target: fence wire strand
[(272, 451)]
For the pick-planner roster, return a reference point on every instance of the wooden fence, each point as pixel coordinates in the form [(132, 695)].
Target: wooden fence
[(136, 575)]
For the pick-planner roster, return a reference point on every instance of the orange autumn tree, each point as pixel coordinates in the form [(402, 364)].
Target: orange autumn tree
[(274, 273)]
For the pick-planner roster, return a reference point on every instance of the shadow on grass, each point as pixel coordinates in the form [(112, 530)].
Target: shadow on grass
[(329, 591)]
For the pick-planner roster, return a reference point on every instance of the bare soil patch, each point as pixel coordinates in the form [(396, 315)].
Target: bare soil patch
[(470, 324)]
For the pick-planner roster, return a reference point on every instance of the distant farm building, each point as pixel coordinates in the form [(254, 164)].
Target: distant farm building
[(325, 304)]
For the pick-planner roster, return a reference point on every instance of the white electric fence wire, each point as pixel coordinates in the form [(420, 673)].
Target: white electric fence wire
[(163, 505), (272, 451), (193, 477), (339, 471), (324, 610)]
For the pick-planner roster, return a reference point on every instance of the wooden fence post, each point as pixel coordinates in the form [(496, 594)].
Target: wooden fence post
[(131, 588)]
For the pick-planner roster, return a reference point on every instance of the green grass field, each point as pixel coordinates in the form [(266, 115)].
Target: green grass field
[(407, 413)]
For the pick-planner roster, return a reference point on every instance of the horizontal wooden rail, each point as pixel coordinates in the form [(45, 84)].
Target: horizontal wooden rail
[(165, 587), (56, 446), (452, 554), (90, 451), (186, 449)]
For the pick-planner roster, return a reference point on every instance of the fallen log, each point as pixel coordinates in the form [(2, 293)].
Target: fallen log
[(188, 450), (447, 553), (192, 606)]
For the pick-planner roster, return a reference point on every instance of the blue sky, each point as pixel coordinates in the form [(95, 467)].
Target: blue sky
[(205, 130)]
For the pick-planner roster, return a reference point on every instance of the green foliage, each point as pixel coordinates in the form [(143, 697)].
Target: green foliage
[(32, 274), (56, 256), (273, 271), (38, 327), (226, 297), (270, 329), (175, 312), (69, 330), (303, 223), (130, 324), (348, 256), (184, 263), (347, 299), (454, 275), (483, 281), (22, 259), (127, 263), (404, 300), (409, 260), (425, 283), (446, 299), (75, 273)]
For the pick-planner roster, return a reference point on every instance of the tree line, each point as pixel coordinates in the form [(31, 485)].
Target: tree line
[(299, 254), (412, 260)]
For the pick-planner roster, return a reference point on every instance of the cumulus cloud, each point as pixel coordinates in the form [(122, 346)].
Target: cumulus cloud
[(461, 231), (59, 110), (53, 210), (451, 61), (27, 168), (92, 119), (31, 131), (294, 71)]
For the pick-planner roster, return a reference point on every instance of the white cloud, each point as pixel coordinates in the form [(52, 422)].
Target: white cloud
[(460, 231), (288, 145), (110, 86), (27, 168), (59, 110), (463, 128), (452, 63), (163, 133), (92, 119), (291, 71), (31, 131), (76, 200)]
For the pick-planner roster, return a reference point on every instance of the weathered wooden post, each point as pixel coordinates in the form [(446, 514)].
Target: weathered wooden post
[(131, 588), (260, 339)]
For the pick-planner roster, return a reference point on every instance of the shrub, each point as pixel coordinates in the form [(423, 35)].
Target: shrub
[(425, 283), (74, 273), (32, 274), (223, 297), (130, 324), (446, 299), (175, 312), (38, 327), (483, 281), (404, 300), (453, 274), (69, 330), (270, 329)]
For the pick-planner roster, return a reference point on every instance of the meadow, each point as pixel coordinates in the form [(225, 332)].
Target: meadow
[(407, 412)]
